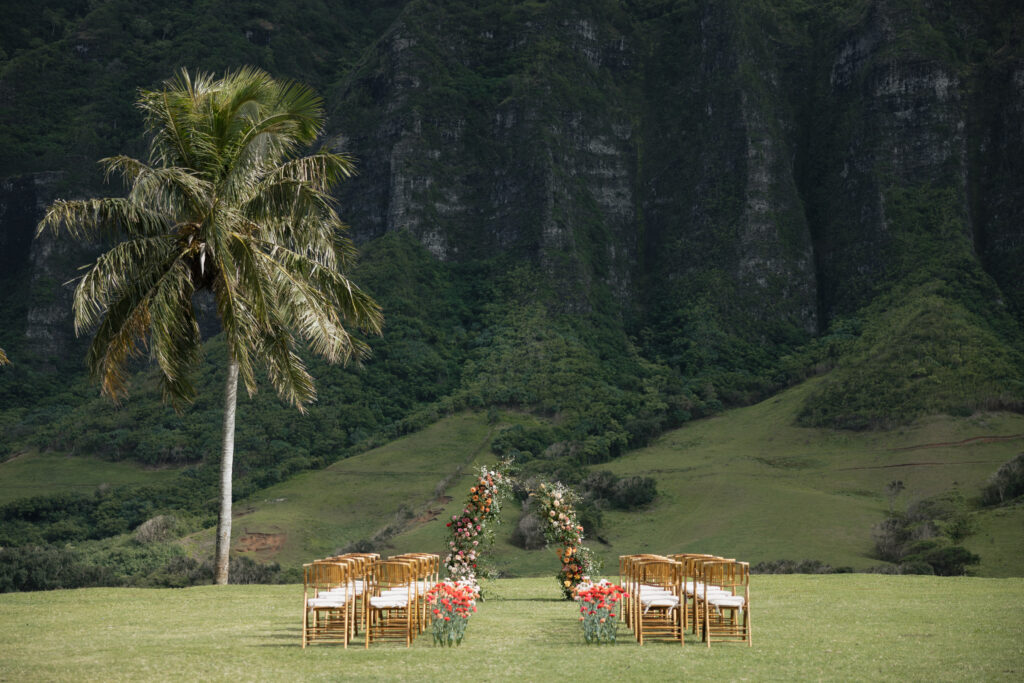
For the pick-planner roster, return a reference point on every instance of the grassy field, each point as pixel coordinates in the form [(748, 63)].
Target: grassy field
[(746, 484), (34, 474), (841, 627), (749, 484)]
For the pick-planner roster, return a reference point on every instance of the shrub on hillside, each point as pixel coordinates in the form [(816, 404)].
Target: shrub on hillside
[(529, 532), (923, 539), (1006, 484), (159, 529), (801, 567), (40, 568), (622, 493)]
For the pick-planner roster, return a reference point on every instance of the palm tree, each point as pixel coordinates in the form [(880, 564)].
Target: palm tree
[(224, 204)]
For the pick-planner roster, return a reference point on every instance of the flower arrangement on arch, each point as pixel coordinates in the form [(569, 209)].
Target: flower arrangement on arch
[(599, 609), (471, 531), (557, 508), (450, 604)]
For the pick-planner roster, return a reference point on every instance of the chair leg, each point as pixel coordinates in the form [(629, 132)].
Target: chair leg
[(305, 626)]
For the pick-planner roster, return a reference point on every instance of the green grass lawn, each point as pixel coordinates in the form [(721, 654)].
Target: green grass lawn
[(36, 474), (839, 627)]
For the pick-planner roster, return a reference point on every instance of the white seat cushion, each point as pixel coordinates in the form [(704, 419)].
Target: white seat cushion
[(326, 602), (389, 601), (670, 601), (727, 600)]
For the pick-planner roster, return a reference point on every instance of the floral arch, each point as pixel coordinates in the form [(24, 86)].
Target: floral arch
[(472, 531)]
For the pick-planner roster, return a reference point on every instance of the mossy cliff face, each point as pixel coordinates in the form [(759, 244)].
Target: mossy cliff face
[(644, 163), (687, 192), (997, 199), (36, 299), (504, 130), (889, 115)]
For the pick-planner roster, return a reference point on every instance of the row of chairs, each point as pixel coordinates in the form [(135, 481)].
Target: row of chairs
[(357, 593), (706, 595)]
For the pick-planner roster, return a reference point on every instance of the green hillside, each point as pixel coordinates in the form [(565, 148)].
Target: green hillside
[(746, 484), (35, 474)]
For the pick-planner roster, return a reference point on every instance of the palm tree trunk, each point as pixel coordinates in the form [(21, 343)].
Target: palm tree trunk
[(227, 458)]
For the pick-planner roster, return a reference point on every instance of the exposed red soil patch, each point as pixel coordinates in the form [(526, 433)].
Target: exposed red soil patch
[(255, 541), (431, 513)]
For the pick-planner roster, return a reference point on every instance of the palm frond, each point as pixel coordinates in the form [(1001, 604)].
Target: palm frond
[(296, 216), (285, 369), (240, 326), (318, 302), (91, 219), (114, 273), (125, 327), (169, 190), (323, 171), (174, 332)]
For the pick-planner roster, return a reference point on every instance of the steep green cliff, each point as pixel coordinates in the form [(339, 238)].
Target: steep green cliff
[(620, 214)]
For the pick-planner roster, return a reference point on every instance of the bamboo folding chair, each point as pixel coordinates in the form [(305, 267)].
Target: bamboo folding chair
[(327, 602), (624, 610), (727, 610), (689, 592), (392, 604), (425, 566), (659, 607), (633, 585), (362, 564), (701, 588)]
